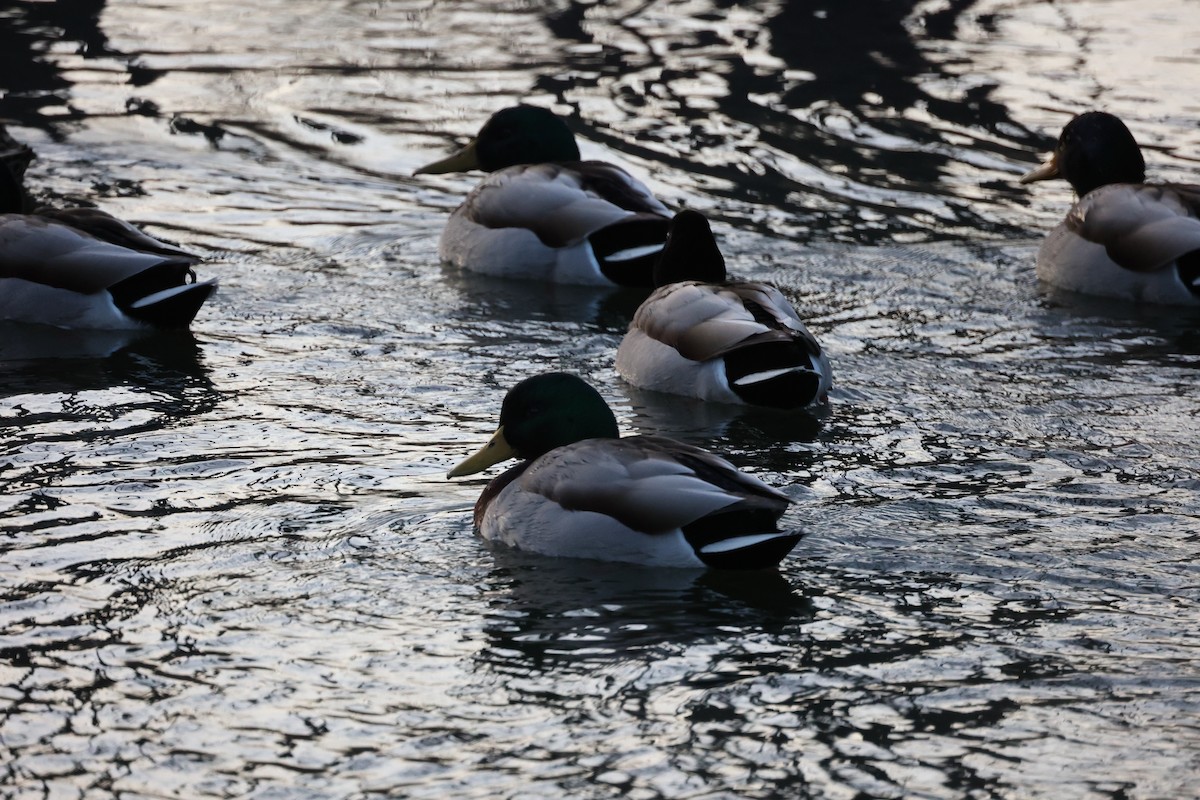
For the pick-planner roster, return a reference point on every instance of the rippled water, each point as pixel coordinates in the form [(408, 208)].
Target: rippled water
[(232, 566)]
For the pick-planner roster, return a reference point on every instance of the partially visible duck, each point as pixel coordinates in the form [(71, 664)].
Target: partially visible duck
[(729, 341), (14, 160), (1123, 238), (580, 491), (543, 214), (82, 268)]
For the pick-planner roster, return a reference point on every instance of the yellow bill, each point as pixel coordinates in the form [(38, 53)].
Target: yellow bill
[(1044, 172), (462, 161), (496, 450)]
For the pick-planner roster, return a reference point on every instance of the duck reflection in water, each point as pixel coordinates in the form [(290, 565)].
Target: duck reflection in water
[(763, 431), (550, 612), (169, 366), (499, 300)]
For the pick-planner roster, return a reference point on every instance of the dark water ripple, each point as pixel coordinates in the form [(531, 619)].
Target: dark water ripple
[(230, 565), (772, 108)]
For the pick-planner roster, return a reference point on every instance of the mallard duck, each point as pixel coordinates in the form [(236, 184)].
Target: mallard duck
[(583, 492), (1123, 238), (730, 341), (543, 214), (82, 268)]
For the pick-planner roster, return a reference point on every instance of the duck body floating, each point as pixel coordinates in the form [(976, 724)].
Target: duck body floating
[(85, 269), (1123, 238), (702, 336), (543, 214), (54, 272), (582, 492)]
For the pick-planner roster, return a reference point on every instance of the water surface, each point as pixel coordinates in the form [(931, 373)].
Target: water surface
[(232, 566)]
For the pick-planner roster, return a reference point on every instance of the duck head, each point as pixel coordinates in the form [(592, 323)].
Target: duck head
[(516, 135), (1094, 150), (541, 414)]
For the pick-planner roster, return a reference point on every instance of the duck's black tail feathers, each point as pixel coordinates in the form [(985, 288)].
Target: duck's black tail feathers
[(628, 250), (1188, 266), (165, 296), (762, 546), (775, 374)]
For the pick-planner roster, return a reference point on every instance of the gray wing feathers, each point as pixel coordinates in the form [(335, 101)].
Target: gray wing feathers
[(116, 231), (704, 321), (1142, 227), (558, 203), (54, 254), (639, 482)]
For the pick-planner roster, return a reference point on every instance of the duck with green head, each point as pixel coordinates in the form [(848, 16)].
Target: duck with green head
[(703, 336), (1123, 238), (544, 214), (580, 491)]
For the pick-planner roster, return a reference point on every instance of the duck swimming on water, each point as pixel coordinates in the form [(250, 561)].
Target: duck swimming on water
[(582, 491), (703, 336), (1123, 238), (83, 268), (544, 214)]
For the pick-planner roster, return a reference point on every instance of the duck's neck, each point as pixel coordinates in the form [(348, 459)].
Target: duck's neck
[(690, 254)]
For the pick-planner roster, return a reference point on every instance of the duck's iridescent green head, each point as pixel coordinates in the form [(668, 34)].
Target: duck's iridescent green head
[(553, 410), (1095, 149), (541, 414), (516, 135), (691, 252)]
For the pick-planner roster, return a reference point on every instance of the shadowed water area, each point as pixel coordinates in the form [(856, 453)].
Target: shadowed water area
[(230, 562)]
